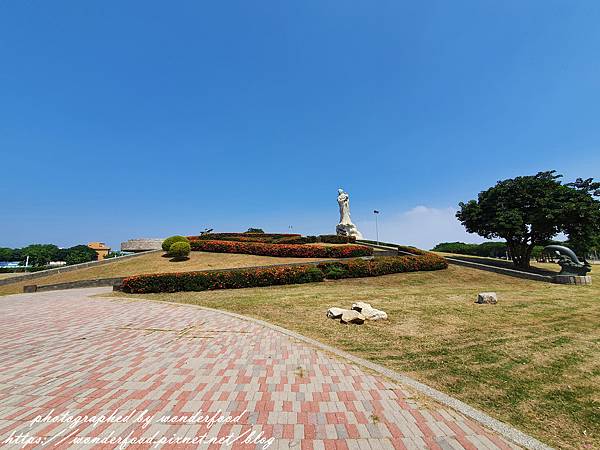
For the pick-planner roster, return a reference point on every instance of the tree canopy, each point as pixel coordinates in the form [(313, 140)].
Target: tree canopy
[(530, 210), (41, 254)]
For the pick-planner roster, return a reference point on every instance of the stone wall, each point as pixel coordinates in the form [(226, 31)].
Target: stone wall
[(142, 245)]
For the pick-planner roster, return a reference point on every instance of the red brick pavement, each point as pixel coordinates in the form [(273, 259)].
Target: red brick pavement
[(64, 353)]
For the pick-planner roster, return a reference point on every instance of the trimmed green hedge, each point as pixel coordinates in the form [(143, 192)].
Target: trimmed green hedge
[(385, 265), (335, 239)]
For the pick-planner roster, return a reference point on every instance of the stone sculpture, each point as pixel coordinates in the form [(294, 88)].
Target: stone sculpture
[(568, 261), (346, 227)]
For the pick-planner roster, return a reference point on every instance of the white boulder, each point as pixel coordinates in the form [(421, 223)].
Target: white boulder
[(352, 316), (369, 312), (335, 313), (487, 298)]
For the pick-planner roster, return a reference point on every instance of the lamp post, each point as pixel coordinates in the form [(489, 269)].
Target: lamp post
[(376, 225)]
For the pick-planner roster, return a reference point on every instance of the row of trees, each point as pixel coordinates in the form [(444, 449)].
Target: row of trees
[(492, 249), (529, 211), (41, 254)]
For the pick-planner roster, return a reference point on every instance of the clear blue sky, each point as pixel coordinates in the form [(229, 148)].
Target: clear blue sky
[(144, 118)]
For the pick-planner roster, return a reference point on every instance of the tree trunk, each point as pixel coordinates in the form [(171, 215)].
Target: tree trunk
[(521, 254)]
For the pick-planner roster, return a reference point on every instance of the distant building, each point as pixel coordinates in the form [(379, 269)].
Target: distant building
[(57, 263), (100, 248)]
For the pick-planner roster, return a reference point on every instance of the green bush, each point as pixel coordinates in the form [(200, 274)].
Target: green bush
[(166, 245), (335, 239), (180, 250), (335, 272), (385, 265)]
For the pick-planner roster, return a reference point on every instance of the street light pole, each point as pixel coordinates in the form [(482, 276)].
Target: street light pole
[(376, 225)]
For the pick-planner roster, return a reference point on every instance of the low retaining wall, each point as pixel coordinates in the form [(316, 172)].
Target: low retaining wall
[(502, 270), (382, 250), (64, 269), (100, 282)]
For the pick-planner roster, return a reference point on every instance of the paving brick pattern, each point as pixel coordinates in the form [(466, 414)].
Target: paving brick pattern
[(64, 352)]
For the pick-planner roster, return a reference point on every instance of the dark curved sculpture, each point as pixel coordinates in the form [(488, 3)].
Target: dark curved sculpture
[(568, 261)]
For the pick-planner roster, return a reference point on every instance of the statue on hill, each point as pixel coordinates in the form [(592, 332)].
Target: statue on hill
[(346, 227)]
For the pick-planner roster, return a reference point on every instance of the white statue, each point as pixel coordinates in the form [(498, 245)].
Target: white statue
[(346, 227)]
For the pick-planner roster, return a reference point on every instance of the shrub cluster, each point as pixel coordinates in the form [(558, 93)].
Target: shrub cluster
[(274, 238), (166, 244), (282, 250), (230, 279), (335, 239), (279, 275), (268, 238), (180, 250), (384, 265)]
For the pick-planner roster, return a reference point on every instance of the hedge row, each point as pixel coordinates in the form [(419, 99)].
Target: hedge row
[(489, 249), (232, 279), (384, 265), (335, 239), (274, 238), (282, 250), (268, 238), (279, 275)]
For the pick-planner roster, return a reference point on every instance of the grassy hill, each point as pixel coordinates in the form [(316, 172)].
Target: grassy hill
[(532, 360)]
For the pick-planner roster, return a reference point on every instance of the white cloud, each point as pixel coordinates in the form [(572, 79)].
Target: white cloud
[(421, 226)]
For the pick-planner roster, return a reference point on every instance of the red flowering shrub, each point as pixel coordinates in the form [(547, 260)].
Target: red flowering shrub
[(279, 275), (245, 237), (282, 250), (224, 279)]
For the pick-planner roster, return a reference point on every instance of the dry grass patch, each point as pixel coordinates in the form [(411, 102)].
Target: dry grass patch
[(8, 275), (532, 360)]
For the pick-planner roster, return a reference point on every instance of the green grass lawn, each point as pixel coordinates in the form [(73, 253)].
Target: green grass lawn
[(532, 360)]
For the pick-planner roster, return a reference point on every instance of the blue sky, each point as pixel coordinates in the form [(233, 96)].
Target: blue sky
[(144, 119)]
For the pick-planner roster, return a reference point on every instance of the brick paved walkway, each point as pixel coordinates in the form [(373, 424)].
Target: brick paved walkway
[(61, 352)]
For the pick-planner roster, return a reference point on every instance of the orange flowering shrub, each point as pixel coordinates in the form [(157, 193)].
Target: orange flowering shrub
[(282, 250), (224, 279), (245, 237), (279, 275)]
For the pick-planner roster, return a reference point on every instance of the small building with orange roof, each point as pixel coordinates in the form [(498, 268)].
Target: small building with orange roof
[(100, 248)]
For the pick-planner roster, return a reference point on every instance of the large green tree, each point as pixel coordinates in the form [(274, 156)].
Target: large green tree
[(530, 210), (40, 254), (10, 254), (77, 254)]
